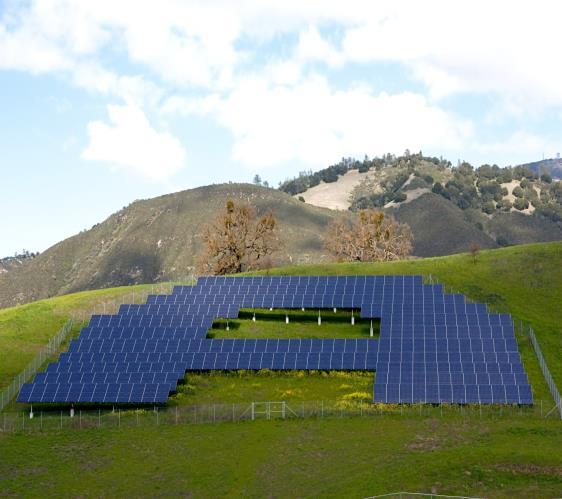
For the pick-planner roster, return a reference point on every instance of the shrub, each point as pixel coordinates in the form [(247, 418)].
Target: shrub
[(489, 207), (521, 204)]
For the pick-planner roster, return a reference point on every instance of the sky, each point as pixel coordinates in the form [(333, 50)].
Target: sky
[(106, 102)]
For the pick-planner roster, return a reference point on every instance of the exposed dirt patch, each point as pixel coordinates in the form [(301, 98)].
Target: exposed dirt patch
[(410, 196), (334, 195)]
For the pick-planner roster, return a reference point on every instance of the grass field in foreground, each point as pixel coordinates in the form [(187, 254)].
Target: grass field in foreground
[(349, 457), (302, 324)]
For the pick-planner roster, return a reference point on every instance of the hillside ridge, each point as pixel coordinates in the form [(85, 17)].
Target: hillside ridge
[(157, 239)]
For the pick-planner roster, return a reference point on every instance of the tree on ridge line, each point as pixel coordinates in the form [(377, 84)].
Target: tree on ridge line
[(238, 240), (370, 236)]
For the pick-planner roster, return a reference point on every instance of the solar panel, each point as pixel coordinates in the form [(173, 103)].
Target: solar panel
[(433, 347)]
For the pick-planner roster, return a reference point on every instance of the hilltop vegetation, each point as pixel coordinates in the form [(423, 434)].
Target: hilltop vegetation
[(477, 200), (488, 188)]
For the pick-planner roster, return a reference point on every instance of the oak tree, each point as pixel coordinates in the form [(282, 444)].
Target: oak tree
[(238, 240), (369, 236)]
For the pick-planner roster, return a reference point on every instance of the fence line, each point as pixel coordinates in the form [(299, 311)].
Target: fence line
[(413, 495), (53, 419), (546, 373), (49, 349), (78, 317), (534, 342)]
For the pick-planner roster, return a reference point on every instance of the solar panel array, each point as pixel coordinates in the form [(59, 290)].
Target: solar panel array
[(433, 347)]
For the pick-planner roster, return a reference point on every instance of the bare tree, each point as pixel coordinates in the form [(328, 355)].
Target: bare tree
[(238, 240), (369, 236)]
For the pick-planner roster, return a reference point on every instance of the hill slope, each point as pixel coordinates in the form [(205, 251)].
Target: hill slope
[(155, 240)]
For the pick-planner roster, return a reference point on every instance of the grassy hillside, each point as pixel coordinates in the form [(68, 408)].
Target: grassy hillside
[(156, 240)]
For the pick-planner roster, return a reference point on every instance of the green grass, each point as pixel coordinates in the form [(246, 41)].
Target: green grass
[(291, 386), (302, 324), (348, 457)]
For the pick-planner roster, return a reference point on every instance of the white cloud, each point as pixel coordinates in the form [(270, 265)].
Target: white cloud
[(519, 144), (131, 143), (226, 60), (312, 46), (315, 125), (471, 46)]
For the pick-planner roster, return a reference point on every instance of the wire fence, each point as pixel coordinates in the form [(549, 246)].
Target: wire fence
[(415, 495), (77, 317), (527, 331), (546, 373), (46, 352), (52, 419)]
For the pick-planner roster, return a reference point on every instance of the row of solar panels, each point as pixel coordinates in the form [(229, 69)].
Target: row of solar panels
[(235, 360), (224, 345), (445, 330), (392, 358), (368, 295), (138, 393), (394, 332), (382, 377), (386, 393), (445, 377), (195, 320), (469, 345), (465, 309), (108, 377), (419, 290), (141, 332), (280, 361), (185, 321), (333, 280), (392, 393)]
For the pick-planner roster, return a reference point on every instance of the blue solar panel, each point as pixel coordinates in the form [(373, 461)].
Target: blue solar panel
[(433, 347)]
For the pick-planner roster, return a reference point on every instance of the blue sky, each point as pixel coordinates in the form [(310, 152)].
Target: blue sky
[(102, 103)]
